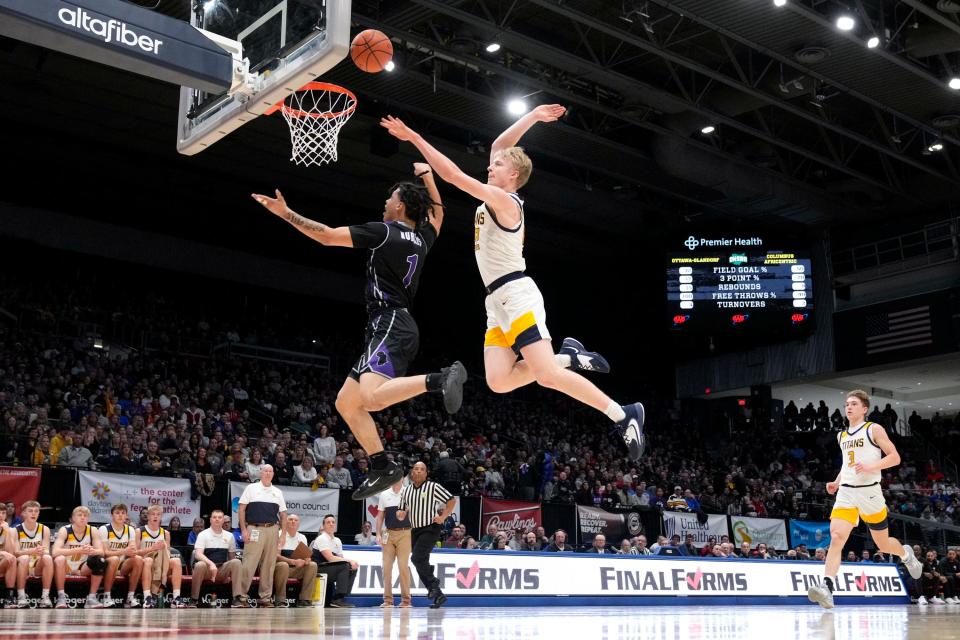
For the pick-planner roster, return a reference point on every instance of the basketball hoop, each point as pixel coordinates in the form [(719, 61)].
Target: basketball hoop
[(315, 112)]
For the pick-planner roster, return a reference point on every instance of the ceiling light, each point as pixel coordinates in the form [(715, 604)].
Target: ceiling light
[(390, 66), (707, 130), (779, 3), (209, 5), (936, 145), (873, 42), (493, 47), (517, 107), (954, 83), (846, 23)]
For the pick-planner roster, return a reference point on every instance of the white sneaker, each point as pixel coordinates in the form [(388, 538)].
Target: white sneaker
[(61, 601), (44, 603), (109, 602), (821, 595), (914, 567), (132, 602), (936, 600), (93, 602), (953, 600), (922, 601)]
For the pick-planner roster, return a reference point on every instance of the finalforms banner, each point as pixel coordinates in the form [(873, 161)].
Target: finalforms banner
[(569, 575)]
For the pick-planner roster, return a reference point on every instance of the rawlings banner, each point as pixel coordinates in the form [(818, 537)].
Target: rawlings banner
[(684, 523), (19, 484), (100, 491), (614, 526), (509, 515), (311, 505), (813, 534), (770, 532)]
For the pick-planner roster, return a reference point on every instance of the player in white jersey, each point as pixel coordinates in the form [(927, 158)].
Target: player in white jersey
[(8, 562), (158, 564), (120, 543), (867, 450), (77, 552), (516, 319), (31, 546)]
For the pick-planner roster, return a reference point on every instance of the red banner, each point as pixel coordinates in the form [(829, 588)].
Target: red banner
[(19, 484), (509, 515)]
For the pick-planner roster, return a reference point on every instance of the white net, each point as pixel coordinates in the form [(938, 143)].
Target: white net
[(315, 114)]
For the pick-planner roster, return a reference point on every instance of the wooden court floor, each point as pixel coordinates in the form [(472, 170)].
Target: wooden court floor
[(479, 623)]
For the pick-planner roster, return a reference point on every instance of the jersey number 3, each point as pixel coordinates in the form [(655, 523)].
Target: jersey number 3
[(412, 261), (850, 454)]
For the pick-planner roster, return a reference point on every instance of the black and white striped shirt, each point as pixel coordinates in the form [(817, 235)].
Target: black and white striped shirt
[(423, 503)]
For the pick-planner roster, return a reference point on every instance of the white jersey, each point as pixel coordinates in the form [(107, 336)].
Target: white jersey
[(857, 445), (73, 540), (117, 540), (499, 249)]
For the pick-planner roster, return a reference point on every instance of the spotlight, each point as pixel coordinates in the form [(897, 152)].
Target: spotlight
[(936, 145), (846, 23), (390, 66), (873, 42), (779, 3), (209, 5), (517, 107), (954, 83), (707, 130), (493, 47)]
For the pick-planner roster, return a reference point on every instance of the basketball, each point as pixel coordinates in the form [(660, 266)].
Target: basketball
[(371, 50)]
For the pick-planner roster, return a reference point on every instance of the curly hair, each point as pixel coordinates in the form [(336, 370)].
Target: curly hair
[(416, 199)]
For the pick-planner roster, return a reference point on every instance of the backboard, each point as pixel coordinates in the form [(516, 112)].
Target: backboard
[(288, 43)]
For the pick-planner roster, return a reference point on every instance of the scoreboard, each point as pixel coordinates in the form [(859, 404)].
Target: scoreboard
[(738, 282)]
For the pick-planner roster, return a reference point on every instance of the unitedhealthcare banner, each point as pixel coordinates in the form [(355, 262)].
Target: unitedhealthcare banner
[(100, 491), (770, 532), (813, 534), (616, 580), (310, 505), (687, 523)]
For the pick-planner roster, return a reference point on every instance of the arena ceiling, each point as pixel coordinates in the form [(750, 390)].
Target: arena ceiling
[(812, 128)]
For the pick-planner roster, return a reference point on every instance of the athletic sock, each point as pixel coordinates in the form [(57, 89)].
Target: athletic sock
[(563, 360), (615, 412), (22, 593), (61, 592), (435, 381), (828, 582), (176, 593)]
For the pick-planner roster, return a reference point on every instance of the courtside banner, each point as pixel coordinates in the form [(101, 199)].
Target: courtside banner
[(100, 491), (687, 523), (769, 531), (311, 505), (813, 534), (633, 578), (509, 515), (19, 484), (614, 526)]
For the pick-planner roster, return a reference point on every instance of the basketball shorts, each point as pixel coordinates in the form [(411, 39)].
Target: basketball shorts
[(854, 503), (516, 316), (392, 340)]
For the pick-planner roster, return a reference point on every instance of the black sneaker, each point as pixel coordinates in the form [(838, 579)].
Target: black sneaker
[(631, 430), (438, 601), (452, 386), (150, 602), (340, 603), (239, 602), (302, 603), (583, 360), (379, 479)]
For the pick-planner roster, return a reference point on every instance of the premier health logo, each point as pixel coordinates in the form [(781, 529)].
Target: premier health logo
[(691, 243)]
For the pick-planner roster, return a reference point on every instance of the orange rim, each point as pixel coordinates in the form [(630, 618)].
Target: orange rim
[(316, 86)]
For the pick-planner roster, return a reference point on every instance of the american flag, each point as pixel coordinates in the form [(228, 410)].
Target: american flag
[(899, 330)]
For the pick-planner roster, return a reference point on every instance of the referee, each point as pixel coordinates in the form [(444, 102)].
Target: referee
[(262, 508), (422, 499)]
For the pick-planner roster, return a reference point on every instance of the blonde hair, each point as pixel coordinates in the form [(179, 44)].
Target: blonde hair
[(860, 395), (154, 508), (520, 161), (29, 504), (81, 509)]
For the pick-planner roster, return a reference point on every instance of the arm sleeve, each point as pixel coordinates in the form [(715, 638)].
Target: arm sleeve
[(369, 235)]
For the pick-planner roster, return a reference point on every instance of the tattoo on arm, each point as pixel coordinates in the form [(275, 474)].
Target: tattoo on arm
[(306, 223)]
